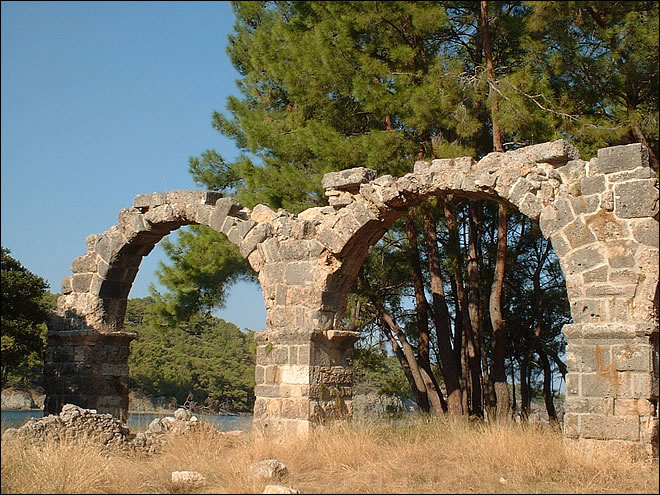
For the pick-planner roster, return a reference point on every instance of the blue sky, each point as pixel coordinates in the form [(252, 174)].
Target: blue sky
[(102, 101)]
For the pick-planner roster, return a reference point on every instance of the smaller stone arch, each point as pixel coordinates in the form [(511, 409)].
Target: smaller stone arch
[(87, 349)]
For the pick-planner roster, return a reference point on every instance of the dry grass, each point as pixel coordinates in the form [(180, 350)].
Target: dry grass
[(435, 456)]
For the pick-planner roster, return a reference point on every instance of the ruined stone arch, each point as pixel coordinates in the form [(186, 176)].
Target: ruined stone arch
[(601, 217)]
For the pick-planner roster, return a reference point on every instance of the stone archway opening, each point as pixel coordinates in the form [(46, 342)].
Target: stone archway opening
[(438, 288)]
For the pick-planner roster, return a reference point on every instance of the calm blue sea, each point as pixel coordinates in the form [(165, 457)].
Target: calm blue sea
[(140, 421)]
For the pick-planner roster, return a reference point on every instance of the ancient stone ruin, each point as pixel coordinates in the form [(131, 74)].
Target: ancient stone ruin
[(601, 217)]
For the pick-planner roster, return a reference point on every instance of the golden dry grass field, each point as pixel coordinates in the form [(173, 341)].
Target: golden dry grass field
[(424, 456)]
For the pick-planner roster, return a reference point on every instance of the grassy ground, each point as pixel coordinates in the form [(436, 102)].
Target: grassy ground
[(434, 456)]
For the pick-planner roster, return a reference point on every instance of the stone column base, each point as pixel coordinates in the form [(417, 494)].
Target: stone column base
[(612, 389), (89, 369)]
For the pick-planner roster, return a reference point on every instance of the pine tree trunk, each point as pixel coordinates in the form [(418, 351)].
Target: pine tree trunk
[(419, 390), (547, 387), (475, 312), (450, 368), (433, 392), (497, 320), (498, 140)]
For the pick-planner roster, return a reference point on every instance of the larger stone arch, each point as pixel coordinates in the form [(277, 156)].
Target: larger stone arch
[(601, 217)]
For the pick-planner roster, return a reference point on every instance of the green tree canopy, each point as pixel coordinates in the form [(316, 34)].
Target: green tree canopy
[(24, 310)]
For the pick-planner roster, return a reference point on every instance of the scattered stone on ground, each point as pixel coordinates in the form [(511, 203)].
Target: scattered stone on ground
[(268, 469), (279, 489), (193, 478)]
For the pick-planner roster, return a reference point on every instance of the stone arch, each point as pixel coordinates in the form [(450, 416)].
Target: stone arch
[(87, 349), (97, 291), (601, 217)]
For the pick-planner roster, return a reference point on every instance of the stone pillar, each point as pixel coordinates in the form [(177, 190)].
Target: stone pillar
[(89, 369), (612, 386)]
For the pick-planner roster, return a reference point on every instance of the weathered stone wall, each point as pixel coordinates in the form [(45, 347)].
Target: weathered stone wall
[(601, 217)]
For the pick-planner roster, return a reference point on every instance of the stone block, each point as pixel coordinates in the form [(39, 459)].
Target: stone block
[(80, 282), (530, 206), (587, 358), (578, 234), (604, 427), (633, 357), (223, 207), (618, 158), (590, 405), (554, 217), (556, 153), (592, 185), (581, 260), (348, 179), (621, 253), (571, 429), (588, 310), (636, 199), (645, 231), (257, 235), (598, 274), (639, 407), (572, 384), (606, 226), (329, 238), (584, 205)]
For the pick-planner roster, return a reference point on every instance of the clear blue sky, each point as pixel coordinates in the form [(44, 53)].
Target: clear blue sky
[(102, 101)]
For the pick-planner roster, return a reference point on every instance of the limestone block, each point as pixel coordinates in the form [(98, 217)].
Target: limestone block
[(636, 199), (592, 185), (621, 253), (590, 405), (617, 158), (556, 153), (80, 282), (606, 226), (572, 171), (582, 259), (554, 217), (255, 236), (626, 175), (269, 250), (109, 244), (588, 358), (268, 469), (192, 478), (348, 179), (607, 383), (330, 239), (85, 263), (223, 207), (571, 429), (236, 229), (295, 374), (279, 489), (256, 261), (559, 244), (530, 206), (607, 200), (578, 234), (609, 427), (588, 310), (67, 285), (149, 200), (639, 407), (645, 231), (583, 205), (598, 274)]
